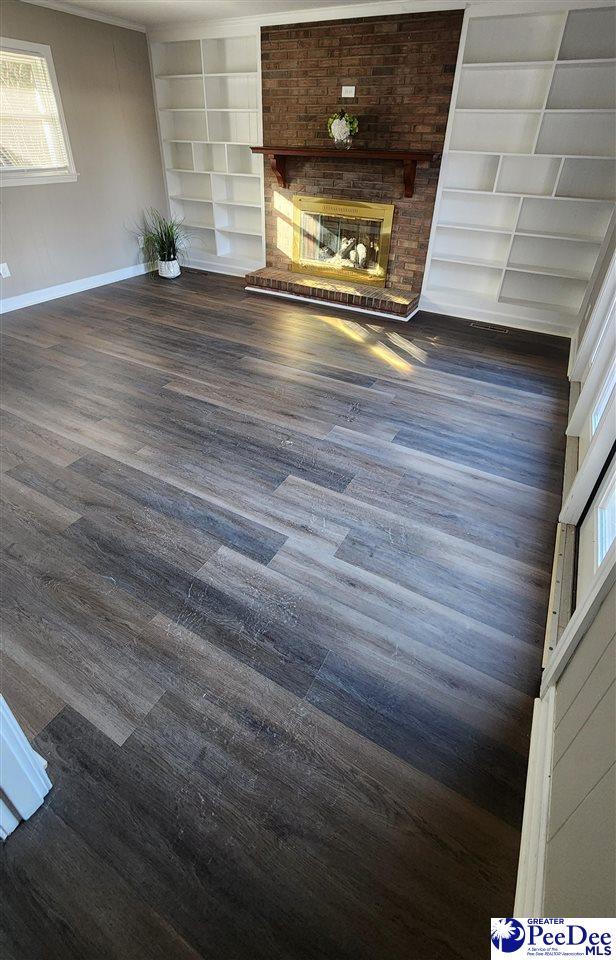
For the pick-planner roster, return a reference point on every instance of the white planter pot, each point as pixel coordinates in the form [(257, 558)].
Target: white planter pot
[(168, 269)]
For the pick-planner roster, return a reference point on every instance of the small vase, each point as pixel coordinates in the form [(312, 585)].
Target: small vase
[(168, 269), (345, 144)]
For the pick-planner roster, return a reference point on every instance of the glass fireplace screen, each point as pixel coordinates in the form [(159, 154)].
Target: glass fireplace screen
[(337, 240)]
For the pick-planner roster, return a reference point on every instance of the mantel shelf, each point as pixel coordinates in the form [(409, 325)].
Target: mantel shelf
[(409, 159)]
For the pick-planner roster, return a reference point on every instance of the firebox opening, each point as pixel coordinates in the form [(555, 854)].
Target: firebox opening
[(341, 238)]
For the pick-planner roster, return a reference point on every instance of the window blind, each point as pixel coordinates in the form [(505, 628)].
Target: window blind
[(31, 137)]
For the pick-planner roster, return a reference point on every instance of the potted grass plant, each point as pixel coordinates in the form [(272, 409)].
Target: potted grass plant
[(164, 241)]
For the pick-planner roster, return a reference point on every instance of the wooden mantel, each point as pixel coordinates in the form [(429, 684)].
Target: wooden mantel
[(277, 157)]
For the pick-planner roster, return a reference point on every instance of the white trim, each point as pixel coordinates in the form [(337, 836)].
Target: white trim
[(601, 399), (10, 179), (15, 178), (606, 245), (431, 304), (573, 348), (87, 14), (591, 466), (580, 622), (561, 586), (336, 306), (533, 842), (159, 132), (8, 820), (23, 781), (73, 286), (450, 120), (602, 311), (198, 28), (595, 377)]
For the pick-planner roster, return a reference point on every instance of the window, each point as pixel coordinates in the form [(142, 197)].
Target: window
[(34, 146), (597, 533), (604, 398), (606, 521), (593, 412)]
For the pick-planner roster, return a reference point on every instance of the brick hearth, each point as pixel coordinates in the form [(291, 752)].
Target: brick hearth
[(342, 292)]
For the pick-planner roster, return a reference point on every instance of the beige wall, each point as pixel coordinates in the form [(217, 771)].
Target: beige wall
[(581, 854), (55, 233)]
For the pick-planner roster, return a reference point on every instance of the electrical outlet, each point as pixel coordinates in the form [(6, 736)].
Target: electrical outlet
[(348, 91), (4, 270)]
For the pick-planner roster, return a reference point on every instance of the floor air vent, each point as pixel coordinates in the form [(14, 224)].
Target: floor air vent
[(490, 326)]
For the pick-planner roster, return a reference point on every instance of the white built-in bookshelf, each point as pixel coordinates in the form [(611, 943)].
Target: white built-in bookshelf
[(525, 204), (209, 108)]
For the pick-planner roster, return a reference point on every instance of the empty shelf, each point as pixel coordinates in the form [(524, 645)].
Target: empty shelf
[(539, 305), (470, 261), (548, 271)]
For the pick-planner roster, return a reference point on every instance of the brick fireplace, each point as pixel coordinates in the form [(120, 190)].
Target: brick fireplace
[(402, 67)]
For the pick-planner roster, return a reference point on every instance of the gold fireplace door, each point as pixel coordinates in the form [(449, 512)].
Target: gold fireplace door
[(342, 239)]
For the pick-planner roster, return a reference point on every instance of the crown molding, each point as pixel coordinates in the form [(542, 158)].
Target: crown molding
[(67, 7), (198, 28)]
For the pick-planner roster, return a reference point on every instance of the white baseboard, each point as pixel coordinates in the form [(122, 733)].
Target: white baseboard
[(529, 893), (73, 286), (336, 306), (484, 315)]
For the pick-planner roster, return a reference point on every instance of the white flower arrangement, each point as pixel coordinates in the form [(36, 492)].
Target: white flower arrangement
[(342, 126)]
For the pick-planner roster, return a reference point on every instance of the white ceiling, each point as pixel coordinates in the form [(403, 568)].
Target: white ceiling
[(149, 14)]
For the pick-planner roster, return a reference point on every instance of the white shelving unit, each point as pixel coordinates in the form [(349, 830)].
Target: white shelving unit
[(208, 95), (525, 204)]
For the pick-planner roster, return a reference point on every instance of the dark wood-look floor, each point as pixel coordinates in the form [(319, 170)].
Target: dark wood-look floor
[(275, 583)]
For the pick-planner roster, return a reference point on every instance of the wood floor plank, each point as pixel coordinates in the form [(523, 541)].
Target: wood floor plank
[(21, 441), (32, 508), (473, 666), (274, 588), (527, 500), (140, 527), (73, 630), (33, 704), (225, 526), (496, 590), (267, 855), (469, 506), (387, 655), (75, 921)]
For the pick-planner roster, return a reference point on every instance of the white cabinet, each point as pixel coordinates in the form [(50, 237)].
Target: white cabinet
[(209, 102), (525, 202)]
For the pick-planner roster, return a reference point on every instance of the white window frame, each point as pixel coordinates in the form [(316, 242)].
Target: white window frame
[(592, 553), (595, 374), (582, 617), (601, 315), (600, 406), (591, 466), (608, 497), (592, 366), (17, 178)]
